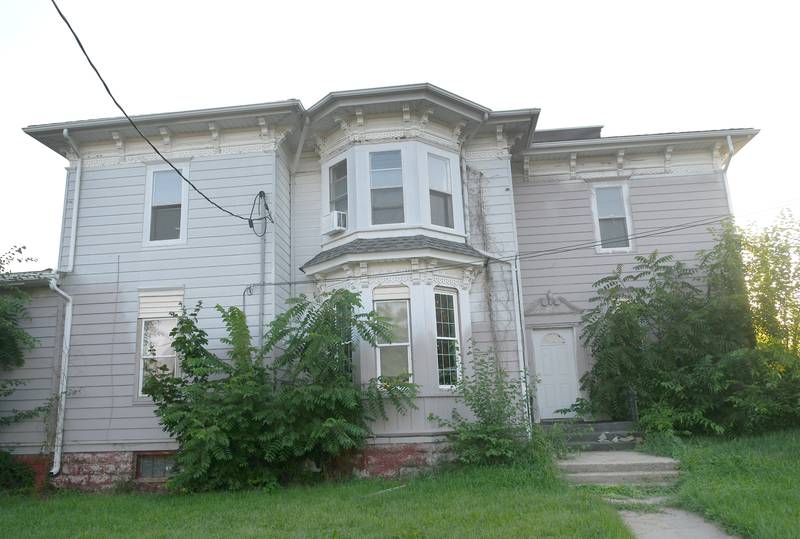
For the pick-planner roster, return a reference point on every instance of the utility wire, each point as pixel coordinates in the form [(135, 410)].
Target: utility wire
[(524, 256), (267, 217)]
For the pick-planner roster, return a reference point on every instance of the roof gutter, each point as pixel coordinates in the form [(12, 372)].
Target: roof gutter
[(76, 198), (58, 445)]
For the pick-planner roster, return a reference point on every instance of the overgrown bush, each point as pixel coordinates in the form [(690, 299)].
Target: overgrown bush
[(249, 422), (497, 431), (677, 344), (14, 340), (15, 476)]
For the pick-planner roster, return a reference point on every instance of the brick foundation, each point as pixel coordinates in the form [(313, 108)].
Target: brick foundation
[(102, 471), (390, 460), (95, 471)]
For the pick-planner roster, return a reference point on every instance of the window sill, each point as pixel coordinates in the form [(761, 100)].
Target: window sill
[(163, 244), (613, 250)]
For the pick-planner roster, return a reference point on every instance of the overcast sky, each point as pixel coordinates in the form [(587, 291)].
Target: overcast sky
[(634, 67)]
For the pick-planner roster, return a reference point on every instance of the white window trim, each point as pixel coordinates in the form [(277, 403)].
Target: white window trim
[(457, 339), (148, 207), (352, 194), (141, 353), (407, 344), (428, 155), (346, 179), (596, 219), (403, 187)]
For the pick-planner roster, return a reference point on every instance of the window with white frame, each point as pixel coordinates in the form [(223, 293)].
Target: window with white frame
[(154, 347), (441, 191), (394, 354), (166, 212), (337, 183), (447, 345), (612, 217), (386, 187)]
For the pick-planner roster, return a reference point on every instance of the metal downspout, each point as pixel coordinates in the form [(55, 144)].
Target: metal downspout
[(76, 198), (58, 446)]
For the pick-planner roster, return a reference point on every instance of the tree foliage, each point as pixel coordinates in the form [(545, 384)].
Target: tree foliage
[(249, 422), (678, 343), (14, 340)]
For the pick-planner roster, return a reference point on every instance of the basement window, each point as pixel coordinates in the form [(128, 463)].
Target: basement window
[(154, 466)]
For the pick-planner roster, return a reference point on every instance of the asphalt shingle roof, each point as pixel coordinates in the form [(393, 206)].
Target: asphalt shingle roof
[(405, 243)]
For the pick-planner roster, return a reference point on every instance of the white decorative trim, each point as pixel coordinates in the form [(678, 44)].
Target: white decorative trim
[(550, 304), (487, 155), (683, 170), (102, 161), (668, 158), (165, 136), (119, 143)]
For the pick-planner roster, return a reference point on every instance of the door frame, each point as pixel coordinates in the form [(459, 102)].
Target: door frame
[(529, 329)]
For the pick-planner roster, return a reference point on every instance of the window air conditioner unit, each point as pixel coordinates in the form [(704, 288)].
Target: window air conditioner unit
[(334, 223)]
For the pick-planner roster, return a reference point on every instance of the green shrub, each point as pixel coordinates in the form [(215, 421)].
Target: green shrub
[(497, 430), (251, 423), (680, 343), (15, 476)]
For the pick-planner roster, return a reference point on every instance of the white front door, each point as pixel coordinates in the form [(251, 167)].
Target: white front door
[(554, 358)]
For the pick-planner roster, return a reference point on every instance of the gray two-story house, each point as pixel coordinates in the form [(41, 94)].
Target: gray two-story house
[(459, 223)]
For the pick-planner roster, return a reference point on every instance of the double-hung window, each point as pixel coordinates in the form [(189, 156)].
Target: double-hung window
[(394, 355), (612, 217), (441, 191), (165, 214), (154, 347), (337, 192), (386, 187), (447, 354)]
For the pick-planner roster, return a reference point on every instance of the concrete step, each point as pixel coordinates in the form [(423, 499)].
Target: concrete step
[(590, 426), (661, 478), (602, 446), (619, 467), (599, 436), (576, 467)]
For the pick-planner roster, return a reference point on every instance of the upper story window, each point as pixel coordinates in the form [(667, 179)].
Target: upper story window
[(612, 218), (441, 191), (165, 211), (386, 187), (337, 192)]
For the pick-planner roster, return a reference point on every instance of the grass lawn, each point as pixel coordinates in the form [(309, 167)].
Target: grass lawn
[(750, 485), (494, 502)]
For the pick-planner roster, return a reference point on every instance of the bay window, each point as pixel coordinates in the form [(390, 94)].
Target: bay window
[(386, 187), (441, 191), (337, 192), (447, 353), (394, 355)]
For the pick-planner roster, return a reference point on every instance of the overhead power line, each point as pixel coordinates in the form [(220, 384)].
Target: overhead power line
[(523, 256), (267, 216)]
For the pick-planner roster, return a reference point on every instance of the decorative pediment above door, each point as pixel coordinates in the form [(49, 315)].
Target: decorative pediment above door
[(551, 304)]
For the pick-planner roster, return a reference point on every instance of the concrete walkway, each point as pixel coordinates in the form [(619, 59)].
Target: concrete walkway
[(671, 524), (634, 468)]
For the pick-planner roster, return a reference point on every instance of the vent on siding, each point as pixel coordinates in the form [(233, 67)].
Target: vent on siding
[(159, 303)]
